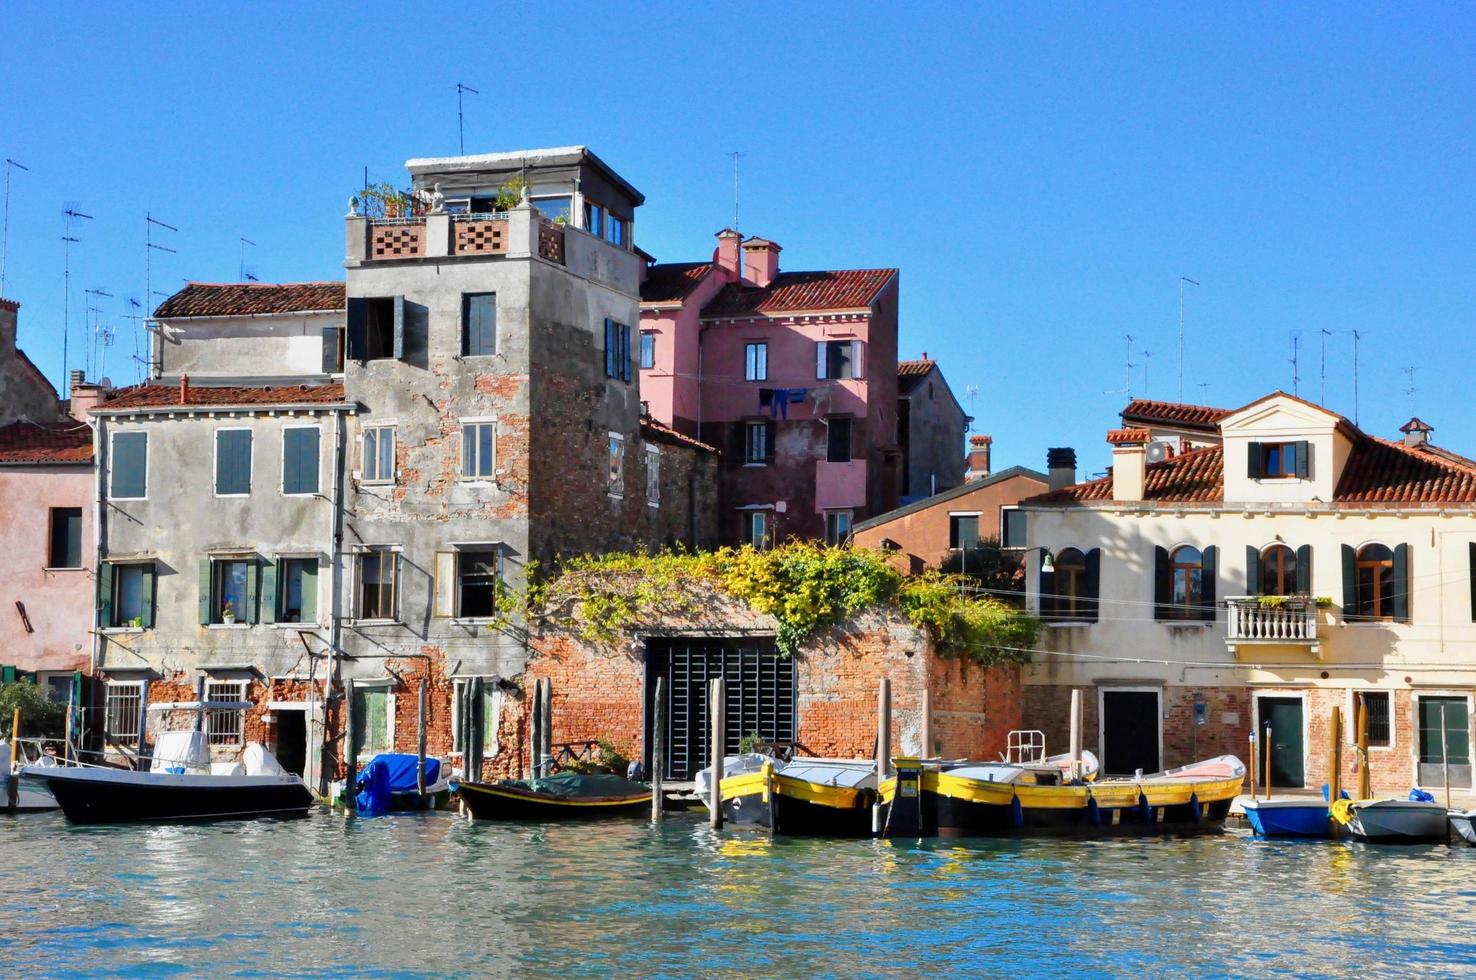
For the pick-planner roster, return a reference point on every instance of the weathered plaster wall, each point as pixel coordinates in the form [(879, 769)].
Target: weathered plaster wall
[(58, 602), (238, 347), (935, 439), (24, 391)]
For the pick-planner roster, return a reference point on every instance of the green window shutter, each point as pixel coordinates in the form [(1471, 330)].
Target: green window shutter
[(1162, 586), (1208, 562), (1401, 583), (1304, 460), (1252, 570), (204, 591), (147, 604), (105, 594), (399, 328), (7, 674), (1471, 548), (1350, 582), (330, 350), (1047, 588), (300, 460), (1093, 584), (356, 337), (253, 588), (1253, 461), (310, 591), (269, 578), (1304, 569)]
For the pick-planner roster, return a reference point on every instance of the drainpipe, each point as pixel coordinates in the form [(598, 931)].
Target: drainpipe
[(99, 464), (701, 331), (334, 671)]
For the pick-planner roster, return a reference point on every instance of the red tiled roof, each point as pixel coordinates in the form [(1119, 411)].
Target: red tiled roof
[(251, 298), (1126, 437), (1195, 476), (1174, 413), (657, 432), (796, 292), (911, 373), (672, 282), (1379, 471), (66, 441), (160, 395)]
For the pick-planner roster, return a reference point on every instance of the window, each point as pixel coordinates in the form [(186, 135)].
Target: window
[(300, 459), (594, 219), (648, 350), (1187, 585), (615, 478), (1070, 583), (1380, 730), (963, 531), (297, 590), (225, 726), (756, 528), (478, 324), (126, 595), (1184, 583), (1374, 571), (490, 711), (758, 444), (616, 231), (373, 719), (653, 476), (617, 350), (1012, 527), (838, 359), (58, 686), (232, 462), (376, 327), (478, 449), (837, 527), (553, 208), (232, 591), (129, 472), (838, 439), (377, 574), (1279, 460), (124, 700), (333, 339), (379, 454), (1278, 571), (477, 575), (66, 538), (756, 362)]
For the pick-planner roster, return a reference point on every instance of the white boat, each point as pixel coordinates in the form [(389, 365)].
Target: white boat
[(1461, 823), (1393, 821), (733, 765)]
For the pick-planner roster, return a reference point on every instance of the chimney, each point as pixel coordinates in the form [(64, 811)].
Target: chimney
[(978, 465), (85, 397), (1416, 432), (1129, 450), (184, 389), (9, 313), (760, 261), (1060, 467), (727, 255)]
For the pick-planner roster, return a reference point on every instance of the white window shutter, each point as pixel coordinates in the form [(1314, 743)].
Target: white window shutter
[(445, 600), (856, 369)]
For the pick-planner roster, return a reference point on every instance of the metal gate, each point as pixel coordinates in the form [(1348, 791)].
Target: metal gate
[(759, 693)]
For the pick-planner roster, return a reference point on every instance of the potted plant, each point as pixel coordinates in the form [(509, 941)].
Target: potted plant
[(228, 613)]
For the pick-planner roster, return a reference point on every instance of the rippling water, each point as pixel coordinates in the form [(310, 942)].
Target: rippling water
[(430, 893)]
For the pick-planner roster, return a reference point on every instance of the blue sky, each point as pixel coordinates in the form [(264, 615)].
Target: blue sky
[(1042, 175)]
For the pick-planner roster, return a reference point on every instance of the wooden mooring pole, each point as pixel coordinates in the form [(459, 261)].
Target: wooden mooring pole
[(546, 759), (884, 729), (1075, 745), (351, 746), (67, 738), (658, 747), (1335, 763), (1254, 777), (1365, 778), (1266, 750), (927, 724), (716, 710), (535, 729), (420, 731)]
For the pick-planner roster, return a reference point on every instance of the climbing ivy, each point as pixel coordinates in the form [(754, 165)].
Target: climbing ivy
[(806, 587)]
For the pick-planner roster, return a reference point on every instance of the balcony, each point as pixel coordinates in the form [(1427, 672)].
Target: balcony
[(439, 235), (1272, 621)]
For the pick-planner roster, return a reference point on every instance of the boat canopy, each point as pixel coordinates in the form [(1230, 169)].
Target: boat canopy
[(181, 752)]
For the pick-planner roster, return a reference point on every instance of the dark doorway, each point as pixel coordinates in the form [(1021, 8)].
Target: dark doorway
[(1454, 746), (1129, 732), (759, 695), (291, 750), (1284, 716)]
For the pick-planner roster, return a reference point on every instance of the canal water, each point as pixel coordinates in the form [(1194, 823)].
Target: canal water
[(433, 894)]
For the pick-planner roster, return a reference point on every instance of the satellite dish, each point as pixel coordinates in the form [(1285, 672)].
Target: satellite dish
[(106, 382), (1158, 451)]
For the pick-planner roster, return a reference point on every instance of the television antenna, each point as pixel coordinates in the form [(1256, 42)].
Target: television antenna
[(971, 392), (736, 155), (1127, 374), (5, 236), (1192, 282), (69, 215), (247, 275), (1322, 366), (92, 328), (1146, 355), (1410, 389), (1356, 339), (135, 305), (1296, 339), (460, 123)]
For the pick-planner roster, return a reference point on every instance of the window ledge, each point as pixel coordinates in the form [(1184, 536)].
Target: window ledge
[(1191, 624), (232, 496), (614, 496), (294, 626), (1070, 624), (751, 465), (376, 483), (474, 620), (63, 568), (120, 630), (376, 622), (228, 626)]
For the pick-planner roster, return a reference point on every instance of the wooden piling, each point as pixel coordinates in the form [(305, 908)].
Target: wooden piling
[(143, 726), (351, 754), (420, 731), (1254, 776), (1075, 743), (927, 724), (1444, 760), (67, 738), (658, 747), (1335, 763), (15, 734), (10, 772), (535, 729), (1266, 765), (883, 729), (1365, 779), (717, 710), (548, 727)]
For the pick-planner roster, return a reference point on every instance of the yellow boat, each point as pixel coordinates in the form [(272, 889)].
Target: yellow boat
[(804, 797), (995, 799)]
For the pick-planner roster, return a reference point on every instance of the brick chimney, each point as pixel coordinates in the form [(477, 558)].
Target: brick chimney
[(1129, 452), (184, 389), (9, 312), (1416, 432), (1060, 467), (979, 446), (728, 255), (760, 261), (86, 396)]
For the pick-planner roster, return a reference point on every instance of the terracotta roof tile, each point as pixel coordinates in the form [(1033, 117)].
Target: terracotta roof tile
[(159, 395), (1194, 477), (1379, 471), (1127, 437), (796, 292), (251, 298), (1174, 413), (657, 432), (911, 373), (672, 282), (67, 441)]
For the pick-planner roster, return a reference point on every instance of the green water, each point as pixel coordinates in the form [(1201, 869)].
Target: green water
[(433, 894)]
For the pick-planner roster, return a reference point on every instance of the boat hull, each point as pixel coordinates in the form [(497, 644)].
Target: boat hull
[(798, 807), (1286, 818), (1397, 822), (1460, 822), (490, 801), (152, 798)]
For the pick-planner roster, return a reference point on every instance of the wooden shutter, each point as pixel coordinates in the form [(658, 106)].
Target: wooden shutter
[(253, 590), (857, 370), (1093, 584), (309, 591), (1304, 460), (1401, 583), (1304, 569), (1350, 582), (399, 328), (609, 348), (1161, 583), (204, 591), (1252, 570), (1208, 563), (7, 674), (1253, 461), (625, 354), (1047, 597), (357, 338), (330, 350), (146, 590), (445, 585), (130, 464), (769, 429), (105, 594), (270, 576), (1471, 549)]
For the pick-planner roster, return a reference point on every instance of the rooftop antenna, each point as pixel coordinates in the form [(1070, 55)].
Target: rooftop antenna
[(1201, 385), (1192, 282), (1127, 374), (460, 120), (68, 240), (1296, 339), (1322, 366), (971, 392), (91, 330), (1356, 339), (135, 316), (1410, 390), (5, 236), (736, 155), (247, 275), (150, 247), (1147, 354)]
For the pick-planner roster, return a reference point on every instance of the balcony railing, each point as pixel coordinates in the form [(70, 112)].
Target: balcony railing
[(1290, 621)]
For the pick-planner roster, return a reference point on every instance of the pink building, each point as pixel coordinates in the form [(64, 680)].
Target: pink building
[(793, 375)]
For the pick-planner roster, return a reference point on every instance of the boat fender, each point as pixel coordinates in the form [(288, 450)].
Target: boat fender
[(1094, 813), (1195, 812), (1017, 812), (1145, 812)]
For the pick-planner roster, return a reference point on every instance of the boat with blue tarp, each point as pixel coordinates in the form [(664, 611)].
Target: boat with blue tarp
[(391, 782)]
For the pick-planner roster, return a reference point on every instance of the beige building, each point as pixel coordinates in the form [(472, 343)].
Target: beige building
[(1258, 566)]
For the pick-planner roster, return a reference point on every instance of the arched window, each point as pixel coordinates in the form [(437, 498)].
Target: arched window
[(1374, 569), (1278, 570), (1186, 568), (1071, 584)]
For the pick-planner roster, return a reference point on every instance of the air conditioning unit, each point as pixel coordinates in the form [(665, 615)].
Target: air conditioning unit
[(1158, 451)]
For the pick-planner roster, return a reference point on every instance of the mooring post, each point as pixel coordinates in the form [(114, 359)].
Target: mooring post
[(351, 755), (884, 729), (548, 726), (717, 709), (143, 724), (15, 734), (200, 703), (658, 747), (1254, 778), (1267, 766), (11, 775), (1075, 744), (927, 723), (1365, 778), (67, 737), (420, 730), (535, 731), (1335, 764), (1445, 762)]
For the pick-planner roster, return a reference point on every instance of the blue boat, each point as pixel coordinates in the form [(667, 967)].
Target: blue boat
[(1288, 817)]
